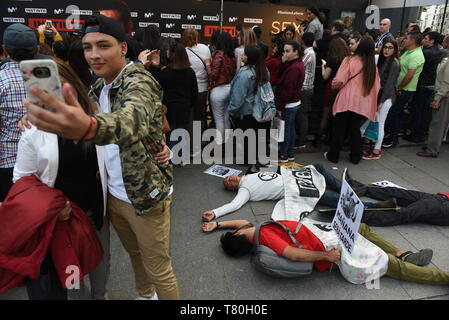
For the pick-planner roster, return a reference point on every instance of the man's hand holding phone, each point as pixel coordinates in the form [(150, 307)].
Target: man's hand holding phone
[(69, 120)]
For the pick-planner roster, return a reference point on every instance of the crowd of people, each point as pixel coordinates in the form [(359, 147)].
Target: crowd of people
[(107, 147)]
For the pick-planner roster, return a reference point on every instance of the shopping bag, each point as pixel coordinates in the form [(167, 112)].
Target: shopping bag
[(278, 128), (370, 130)]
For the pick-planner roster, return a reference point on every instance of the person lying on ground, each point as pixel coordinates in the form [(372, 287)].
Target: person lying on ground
[(270, 186), (402, 265), (416, 206)]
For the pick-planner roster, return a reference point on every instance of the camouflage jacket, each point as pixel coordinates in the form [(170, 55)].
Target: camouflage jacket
[(135, 125)]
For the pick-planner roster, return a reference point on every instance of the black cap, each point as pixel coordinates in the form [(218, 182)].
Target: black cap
[(106, 25), (19, 36)]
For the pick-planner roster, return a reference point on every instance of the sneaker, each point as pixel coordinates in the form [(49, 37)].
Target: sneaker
[(389, 143), (283, 159), (154, 297), (291, 158), (371, 156), (325, 157), (301, 146)]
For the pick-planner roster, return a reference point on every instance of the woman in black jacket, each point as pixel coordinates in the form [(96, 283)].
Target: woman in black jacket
[(178, 80), (389, 68)]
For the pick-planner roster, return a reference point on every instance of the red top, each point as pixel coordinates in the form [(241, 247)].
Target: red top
[(277, 239), (273, 64), (290, 83)]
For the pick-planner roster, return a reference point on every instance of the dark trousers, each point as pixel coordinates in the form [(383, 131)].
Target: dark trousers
[(5, 182), (394, 119), (421, 113), (248, 122), (47, 286), (199, 109), (178, 116), (302, 120), (417, 207), (347, 122)]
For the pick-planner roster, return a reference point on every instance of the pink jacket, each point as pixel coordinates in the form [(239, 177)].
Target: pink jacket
[(350, 97)]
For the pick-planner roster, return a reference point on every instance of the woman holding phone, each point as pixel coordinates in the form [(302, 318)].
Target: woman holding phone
[(77, 168)]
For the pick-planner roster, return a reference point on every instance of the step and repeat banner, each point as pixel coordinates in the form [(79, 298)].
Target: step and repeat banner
[(171, 16)]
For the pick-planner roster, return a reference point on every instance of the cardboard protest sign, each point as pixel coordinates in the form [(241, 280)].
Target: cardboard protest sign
[(347, 218)]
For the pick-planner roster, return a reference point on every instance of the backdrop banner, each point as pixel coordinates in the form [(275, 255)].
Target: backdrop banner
[(171, 17)]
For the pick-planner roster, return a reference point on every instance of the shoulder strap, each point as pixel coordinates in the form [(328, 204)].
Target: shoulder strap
[(286, 229), (204, 63)]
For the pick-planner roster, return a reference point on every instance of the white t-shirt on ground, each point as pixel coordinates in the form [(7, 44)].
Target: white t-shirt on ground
[(254, 187)]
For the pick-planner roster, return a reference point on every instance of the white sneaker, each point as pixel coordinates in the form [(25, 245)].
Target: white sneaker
[(154, 297)]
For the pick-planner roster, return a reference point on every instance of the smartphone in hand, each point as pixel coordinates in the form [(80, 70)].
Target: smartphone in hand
[(44, 75)]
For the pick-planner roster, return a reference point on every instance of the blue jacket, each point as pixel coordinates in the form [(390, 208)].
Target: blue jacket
[(241, 98)]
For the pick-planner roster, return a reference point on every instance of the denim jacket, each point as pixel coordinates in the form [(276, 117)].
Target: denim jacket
[(241, 98)]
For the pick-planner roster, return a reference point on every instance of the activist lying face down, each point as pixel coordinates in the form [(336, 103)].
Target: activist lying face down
[(302, 188), (293, 249)]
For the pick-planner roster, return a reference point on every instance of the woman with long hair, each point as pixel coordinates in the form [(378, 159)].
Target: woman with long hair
[(77, 169), (243, 90), (389, 69), (199, 57), (274, 62), (180, 87), (222, 71), (246, 37), (358, 82), (338, 50)]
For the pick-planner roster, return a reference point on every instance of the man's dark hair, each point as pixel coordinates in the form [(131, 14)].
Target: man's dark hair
[(295, 45), (417, 37), (258, 31), (314, 10), (435, 36), (22, 54), (338, 25), (235, 246), (308, 39)]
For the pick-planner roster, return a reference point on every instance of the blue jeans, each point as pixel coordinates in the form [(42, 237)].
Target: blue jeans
[(394, 119), (330, 198), (289, 116)]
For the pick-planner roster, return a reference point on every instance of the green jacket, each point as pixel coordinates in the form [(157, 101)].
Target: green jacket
[(135, 125)]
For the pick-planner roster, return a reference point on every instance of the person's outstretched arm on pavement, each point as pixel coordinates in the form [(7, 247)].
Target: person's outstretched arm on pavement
[(240, 199)]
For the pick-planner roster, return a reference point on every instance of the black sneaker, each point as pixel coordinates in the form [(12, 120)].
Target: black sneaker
[(389, 143), (291, 158)]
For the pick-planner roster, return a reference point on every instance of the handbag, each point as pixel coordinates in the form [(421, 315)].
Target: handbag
[(370, 130), (279, 128)]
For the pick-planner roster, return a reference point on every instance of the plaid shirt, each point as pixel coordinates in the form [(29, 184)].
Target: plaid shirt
[(12, 93), (309, 60)]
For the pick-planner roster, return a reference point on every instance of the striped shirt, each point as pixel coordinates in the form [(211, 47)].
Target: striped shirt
[(12, 93), (309, 60)]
